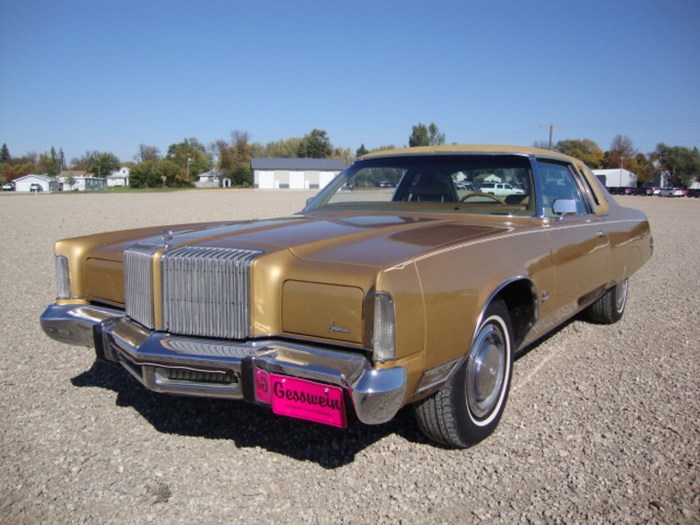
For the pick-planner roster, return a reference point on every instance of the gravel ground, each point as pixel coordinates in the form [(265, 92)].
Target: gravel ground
[(602, 424)]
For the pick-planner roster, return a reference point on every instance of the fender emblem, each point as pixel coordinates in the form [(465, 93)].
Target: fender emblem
[(337, 329)]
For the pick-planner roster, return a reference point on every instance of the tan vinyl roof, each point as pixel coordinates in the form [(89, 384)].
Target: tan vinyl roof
[(470, 148)]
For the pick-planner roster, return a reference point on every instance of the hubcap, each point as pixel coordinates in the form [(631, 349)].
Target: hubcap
[(486, 371), (620, 295)]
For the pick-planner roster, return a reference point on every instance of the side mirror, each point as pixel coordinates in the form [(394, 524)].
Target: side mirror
[(562, 207)]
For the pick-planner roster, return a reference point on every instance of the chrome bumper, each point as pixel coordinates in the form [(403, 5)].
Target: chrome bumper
[(216, 368)]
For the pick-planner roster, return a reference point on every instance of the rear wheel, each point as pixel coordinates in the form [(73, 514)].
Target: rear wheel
[(469, 406), (609, 308)]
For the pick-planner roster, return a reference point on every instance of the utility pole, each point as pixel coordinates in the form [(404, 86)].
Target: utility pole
[(551, 127)]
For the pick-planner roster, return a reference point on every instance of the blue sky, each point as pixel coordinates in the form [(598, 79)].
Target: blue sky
[(108, 75)]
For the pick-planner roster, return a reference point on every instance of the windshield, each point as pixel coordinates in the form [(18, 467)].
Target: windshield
[(492, 184)]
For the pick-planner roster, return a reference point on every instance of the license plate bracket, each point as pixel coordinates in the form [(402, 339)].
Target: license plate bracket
[(308, 400)]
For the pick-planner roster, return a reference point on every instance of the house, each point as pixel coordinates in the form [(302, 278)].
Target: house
[(212, 179), (118, 178), (79, 180), (294, 173), (67, 178), (46, 182)]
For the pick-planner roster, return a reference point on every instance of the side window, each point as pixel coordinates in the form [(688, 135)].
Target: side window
[(557, 182)]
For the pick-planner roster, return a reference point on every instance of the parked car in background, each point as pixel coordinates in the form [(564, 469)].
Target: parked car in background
[(621, 190), (673, 192), (8, 186), (694, 192), (680, 192), (35, 187), (644, 191), (502, 189), (366, 301)]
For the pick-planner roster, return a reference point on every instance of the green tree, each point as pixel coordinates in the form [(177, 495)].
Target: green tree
[(192, 156), (234, 158), (682, 165), (103, 164), (422, 135), (642, 167), (585, 150), (315, 145), (145, 175), (51, 163), (344, 154), (288, 148), (5, 153), (361, 151), (171, 173)]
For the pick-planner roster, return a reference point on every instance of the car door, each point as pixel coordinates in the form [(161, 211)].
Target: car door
[(579, 242)]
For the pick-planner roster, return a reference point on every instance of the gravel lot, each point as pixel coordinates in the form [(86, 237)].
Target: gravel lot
[(602, 424)]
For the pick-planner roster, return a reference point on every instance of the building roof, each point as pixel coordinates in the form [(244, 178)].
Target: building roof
[(43, 177), (296, 164), (611, 171)]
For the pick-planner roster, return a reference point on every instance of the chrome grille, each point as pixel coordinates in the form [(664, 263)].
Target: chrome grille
[(205, 291), (138, 276)]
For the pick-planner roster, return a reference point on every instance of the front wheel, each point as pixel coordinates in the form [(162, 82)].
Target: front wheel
[(469, 406)]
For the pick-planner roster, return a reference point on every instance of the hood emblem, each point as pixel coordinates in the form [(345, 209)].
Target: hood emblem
[(167, 237), (333, 329)]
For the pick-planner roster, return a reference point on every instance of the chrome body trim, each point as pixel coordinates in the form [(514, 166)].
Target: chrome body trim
[(222, 368)]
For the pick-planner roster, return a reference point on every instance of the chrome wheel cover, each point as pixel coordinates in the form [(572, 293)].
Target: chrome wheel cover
[(620, 296), (486, 371)]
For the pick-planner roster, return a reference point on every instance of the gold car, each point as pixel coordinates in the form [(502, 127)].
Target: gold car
[(399, 284)]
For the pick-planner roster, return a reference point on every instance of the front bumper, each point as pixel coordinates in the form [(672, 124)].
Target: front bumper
[(226, 369)]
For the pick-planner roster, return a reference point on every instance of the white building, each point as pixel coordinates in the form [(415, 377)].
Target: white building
[(46, 183), (118, 178), (212, 179), (294, 173), (616, 178)]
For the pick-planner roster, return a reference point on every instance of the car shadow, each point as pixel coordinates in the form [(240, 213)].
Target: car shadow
[(245, 424)]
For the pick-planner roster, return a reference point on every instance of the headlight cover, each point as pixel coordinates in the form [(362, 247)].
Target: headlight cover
[(384, 336), (62, 278)]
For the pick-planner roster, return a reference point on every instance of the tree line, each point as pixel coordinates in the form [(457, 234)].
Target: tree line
[(183, 162)]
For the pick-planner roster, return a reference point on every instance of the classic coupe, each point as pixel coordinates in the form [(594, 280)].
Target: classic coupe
[(376, 296)]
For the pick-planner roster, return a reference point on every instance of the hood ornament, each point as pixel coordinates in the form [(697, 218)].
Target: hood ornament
[(167, 237)]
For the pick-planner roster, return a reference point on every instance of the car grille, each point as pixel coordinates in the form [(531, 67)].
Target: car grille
[(205, 290), (138, 277)]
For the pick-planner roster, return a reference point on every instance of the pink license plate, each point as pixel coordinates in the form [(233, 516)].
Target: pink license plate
[(304, 399)]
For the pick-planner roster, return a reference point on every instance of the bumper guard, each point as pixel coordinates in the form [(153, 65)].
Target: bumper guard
[(225, 369)]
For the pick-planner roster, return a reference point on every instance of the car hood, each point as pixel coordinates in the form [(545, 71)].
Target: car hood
[(365, 239)]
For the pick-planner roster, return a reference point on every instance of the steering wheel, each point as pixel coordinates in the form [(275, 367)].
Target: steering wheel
[(481, 194)]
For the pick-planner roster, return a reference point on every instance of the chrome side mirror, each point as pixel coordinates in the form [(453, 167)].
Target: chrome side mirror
[(563, 207)]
